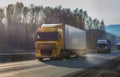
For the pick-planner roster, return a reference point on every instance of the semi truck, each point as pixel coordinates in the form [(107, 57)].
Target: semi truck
[(56, 41), (103, 46), (118, 44)]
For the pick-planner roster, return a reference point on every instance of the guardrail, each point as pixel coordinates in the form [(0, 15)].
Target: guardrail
[(26, 53), (12, 57)]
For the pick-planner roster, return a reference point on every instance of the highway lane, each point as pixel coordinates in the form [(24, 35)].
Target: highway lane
[(58, 68)]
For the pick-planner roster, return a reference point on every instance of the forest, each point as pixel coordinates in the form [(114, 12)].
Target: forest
[(18, 24)]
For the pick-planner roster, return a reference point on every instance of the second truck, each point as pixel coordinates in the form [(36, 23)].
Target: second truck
[(59, 40), (103, 46)]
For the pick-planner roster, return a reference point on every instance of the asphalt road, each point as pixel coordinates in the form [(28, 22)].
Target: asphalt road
[(53, 68)]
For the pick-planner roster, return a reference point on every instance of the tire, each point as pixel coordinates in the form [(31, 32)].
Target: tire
[(57, 58), (40, 59), (109, 51), (98, 51)]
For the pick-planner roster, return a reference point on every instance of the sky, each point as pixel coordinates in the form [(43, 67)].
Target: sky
[(107, 10)]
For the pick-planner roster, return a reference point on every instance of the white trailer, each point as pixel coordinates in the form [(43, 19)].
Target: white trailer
[(75, 39)]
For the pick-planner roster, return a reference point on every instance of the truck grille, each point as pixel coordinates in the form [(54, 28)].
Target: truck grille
[(46, 52), (44, 46)]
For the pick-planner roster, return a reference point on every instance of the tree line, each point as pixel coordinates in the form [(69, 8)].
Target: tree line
[(18, 23)]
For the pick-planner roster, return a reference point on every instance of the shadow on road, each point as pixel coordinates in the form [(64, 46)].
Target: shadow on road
[(82, 62)]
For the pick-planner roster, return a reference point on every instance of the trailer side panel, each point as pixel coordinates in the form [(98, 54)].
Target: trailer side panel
[(75, 38)]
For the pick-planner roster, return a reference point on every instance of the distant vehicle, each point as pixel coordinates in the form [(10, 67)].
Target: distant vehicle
[(59, 40), (118, 45), (104, 46)]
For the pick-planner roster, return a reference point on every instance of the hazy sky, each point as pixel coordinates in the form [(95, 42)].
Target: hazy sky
[(107, 10)]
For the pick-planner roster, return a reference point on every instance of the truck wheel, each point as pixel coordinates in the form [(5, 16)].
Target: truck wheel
[(109, 50), (40, 59), (52, 58), (66, 57), (98, 51), (57, 58), (77, 56)]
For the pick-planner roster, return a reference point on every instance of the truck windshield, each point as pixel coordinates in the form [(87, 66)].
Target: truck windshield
[(47, 36)]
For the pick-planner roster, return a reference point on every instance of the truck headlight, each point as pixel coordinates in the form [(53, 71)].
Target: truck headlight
[(97, 47), (106, 47)]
